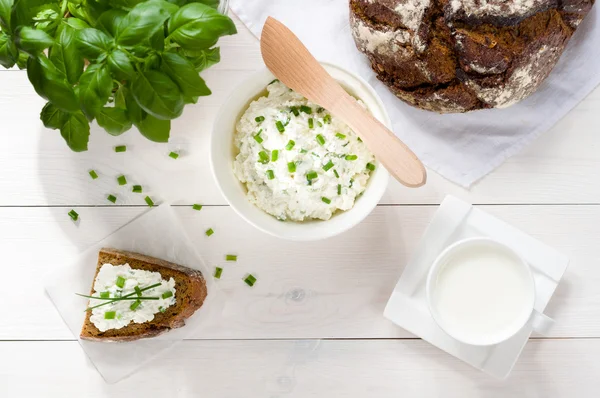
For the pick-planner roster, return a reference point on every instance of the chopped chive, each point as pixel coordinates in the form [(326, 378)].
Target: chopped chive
[(294, 110), (315, 155), (122, 180), (263, 157), (259, 119), (328, 166), (258, 138), (320, 124), (339, 191), (287, 121), (320, 109), (167, 294), (274, 155), (73, 214), (351, 182), (327, 119), (218, 272), (121, 148), (197, 207), (173, 155), (231, 257), (134, 305), (120, 282), (250, 280), (336, 173), (112, 198), (326, 200), (110, 315), (320, 139), (311, 123), (209, 232), (340, 136), (280, 126), (351, 157), (93, 174), (274, 81), (290, 145), (370, 166), (270, 174), (291, 167), (104, 294), (149, 201), (303, 151), (306, 109), (136, 189), (126, 297), (358, 139), (311, 175), (138, 291)]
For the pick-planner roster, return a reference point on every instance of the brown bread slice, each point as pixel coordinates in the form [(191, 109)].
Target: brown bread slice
[(190, 292)]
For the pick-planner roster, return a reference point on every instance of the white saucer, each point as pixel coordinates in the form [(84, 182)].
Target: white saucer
[(456, 220)]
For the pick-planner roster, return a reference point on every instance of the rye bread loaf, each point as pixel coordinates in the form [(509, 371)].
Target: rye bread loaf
[(190, 292), (462, 55)]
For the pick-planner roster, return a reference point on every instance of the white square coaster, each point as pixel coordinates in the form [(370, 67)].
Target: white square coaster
[(456, 220)]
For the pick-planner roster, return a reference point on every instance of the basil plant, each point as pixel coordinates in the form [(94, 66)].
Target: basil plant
[(120, 62)]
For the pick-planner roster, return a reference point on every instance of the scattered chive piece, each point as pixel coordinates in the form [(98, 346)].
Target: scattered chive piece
[(121, 148), (173, 155), (209, 232), (167, 294), (320, 109), (110, 315), (303, 151), (306, 109), (73, 214), (351, 157), (197, 207), (270, 174), (280, 126), (311, 175), (294, 110), (326, 200), (287, 122), (135, 304), (258, 138), (328, 166), (126, 297), (264, 158), (358, 139), (138, 291), (122, 180), (311, 123), (351, 182), (250, 280), (339, 189), (340, 136), (93, 174), (137, 189), (259, 119), (218, 272), (274, 81), (336, 173), (231, 257), (290, 145), (162, 309), (320, 139), (112, 198), (320, 124), (327, 119), (112, 300), (149, 201), (120, 282), (370, 166), (315, 155), (291, 167), (274, 155), (105, 294)]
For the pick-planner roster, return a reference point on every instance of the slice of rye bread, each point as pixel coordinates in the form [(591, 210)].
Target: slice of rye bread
[(190, 292)]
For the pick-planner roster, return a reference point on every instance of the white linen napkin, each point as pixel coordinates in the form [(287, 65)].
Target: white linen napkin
[(461, 147)]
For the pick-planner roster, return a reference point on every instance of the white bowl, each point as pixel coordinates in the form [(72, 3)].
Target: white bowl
[(222, 155)]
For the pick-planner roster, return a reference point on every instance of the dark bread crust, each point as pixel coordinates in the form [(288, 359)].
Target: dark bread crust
[(457, 55), (190, 294)]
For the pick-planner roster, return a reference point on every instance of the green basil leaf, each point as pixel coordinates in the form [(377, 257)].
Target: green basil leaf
[(154, 129), (211, 3), (5, 8), (93, 43), (51, 84), (110, 20), (113, 120), (95, 8), (76, 132), (203, 59), (65, 56), (33, 41), (197, 26), (143, 21), (120, 101), (76, 23), (52, 117), (22, 60), (157, 41), (125, 4), (23, 11), (120, 65), (8, 51), (48, 19), (184, 75), (157, 94), (95, 86), (134, 112)]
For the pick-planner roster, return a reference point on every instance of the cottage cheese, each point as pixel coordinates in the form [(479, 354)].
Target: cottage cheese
[(287, 187), (106, 282)]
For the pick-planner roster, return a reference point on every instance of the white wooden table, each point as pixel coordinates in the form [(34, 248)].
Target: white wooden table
[(313, 324)]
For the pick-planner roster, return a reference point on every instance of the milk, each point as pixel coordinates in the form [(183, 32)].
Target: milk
[(482, 293)]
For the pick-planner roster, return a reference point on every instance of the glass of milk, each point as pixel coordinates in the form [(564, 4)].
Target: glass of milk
[(481, 292)]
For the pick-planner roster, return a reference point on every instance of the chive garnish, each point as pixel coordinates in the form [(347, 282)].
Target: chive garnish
[(231, 257), (274, 155), (320, 139), (280, 126), (311, 123), (167, 294), (290, 145), (112, 198), (274, 81), (306, 109), (370, 166), (73, 214), (351, 157), (259, 119), (250, 280), (137, 189), (162, 309), (336, 173), (294, 110), (270, 174), (218, 272), (173, 155), (326, 200), (120, 282), (351, 182), (315, 155), (104, 294), (122, 180), (328, 166), (320, 109), (303, 151), (339, 190), (340, 136), (327, 119), (263, 157), (138, 291), (93, 174), (258, 138), (197, 207), (134, 305), (209, 232), (126, 297), (121, 148), (291, 167), (358, 139), (110, 315), (311, 175), (149, 201)]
